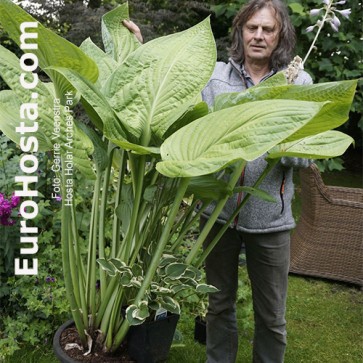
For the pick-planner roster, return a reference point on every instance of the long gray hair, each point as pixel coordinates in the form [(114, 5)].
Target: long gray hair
[(283, 53)]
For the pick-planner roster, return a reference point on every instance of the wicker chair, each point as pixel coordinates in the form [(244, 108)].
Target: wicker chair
[(328, 239)]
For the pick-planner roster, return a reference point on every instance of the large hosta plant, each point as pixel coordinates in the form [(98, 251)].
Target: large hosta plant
[(153, 152)]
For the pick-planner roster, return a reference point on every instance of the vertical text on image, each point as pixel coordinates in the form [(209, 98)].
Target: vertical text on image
[(68, 159), (27, 128)]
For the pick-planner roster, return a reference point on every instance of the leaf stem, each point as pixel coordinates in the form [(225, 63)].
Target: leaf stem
[(226, 225), (68, 261), (138, 190), (239, 166), (92, 251), (115, 246), (156, 257), (101, 235)]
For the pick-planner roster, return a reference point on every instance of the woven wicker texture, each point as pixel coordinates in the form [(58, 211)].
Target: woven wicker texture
[(328, 239)]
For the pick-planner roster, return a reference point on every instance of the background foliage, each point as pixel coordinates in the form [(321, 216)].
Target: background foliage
[(31, 306)]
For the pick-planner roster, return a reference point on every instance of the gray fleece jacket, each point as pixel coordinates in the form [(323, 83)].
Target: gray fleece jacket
[(257, 216)]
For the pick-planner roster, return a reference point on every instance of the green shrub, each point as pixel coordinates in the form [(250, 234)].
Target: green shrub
[(34, 306)]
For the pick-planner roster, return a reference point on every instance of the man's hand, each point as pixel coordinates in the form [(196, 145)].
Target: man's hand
[(130, 25)]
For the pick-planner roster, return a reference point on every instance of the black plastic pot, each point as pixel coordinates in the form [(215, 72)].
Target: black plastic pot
[(150, 342), (57, 349), (200, 330)]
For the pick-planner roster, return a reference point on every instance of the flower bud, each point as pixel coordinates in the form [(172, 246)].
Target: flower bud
[(310, 28), (314, 12), (334, 27), (336, 21), (326, 2)]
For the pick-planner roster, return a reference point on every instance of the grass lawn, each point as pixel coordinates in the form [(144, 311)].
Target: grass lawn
[(325, 322), (324, 326)]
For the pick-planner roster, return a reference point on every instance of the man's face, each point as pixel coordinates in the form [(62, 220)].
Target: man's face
[(260, 36)]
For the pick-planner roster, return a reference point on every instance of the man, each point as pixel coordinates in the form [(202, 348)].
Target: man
[(263, 41)]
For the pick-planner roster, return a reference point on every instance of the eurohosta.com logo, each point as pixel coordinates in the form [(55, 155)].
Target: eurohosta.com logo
[(28, 126)]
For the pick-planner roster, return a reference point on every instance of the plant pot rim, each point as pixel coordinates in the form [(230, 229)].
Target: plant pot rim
[(57, 348)]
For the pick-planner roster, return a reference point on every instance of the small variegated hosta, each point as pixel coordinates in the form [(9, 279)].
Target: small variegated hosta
[(175, 281), (153, 145)]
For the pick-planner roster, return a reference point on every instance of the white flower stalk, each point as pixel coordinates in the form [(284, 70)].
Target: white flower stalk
[(329, 16)]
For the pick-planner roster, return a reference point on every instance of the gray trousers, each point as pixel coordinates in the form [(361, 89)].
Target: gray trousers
[(267, 257)]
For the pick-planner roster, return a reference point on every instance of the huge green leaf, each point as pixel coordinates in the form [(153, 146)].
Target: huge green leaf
[(328, 144), (52, 50), (190, 114), (340, 97), (106, 64), (81, 145), (118, 41), (9, 120), (339, 94), (99, 155), (97, 106), (278, 79), (156, 79), (10, 71), (10, 102), (241, 132), (100, 111)]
